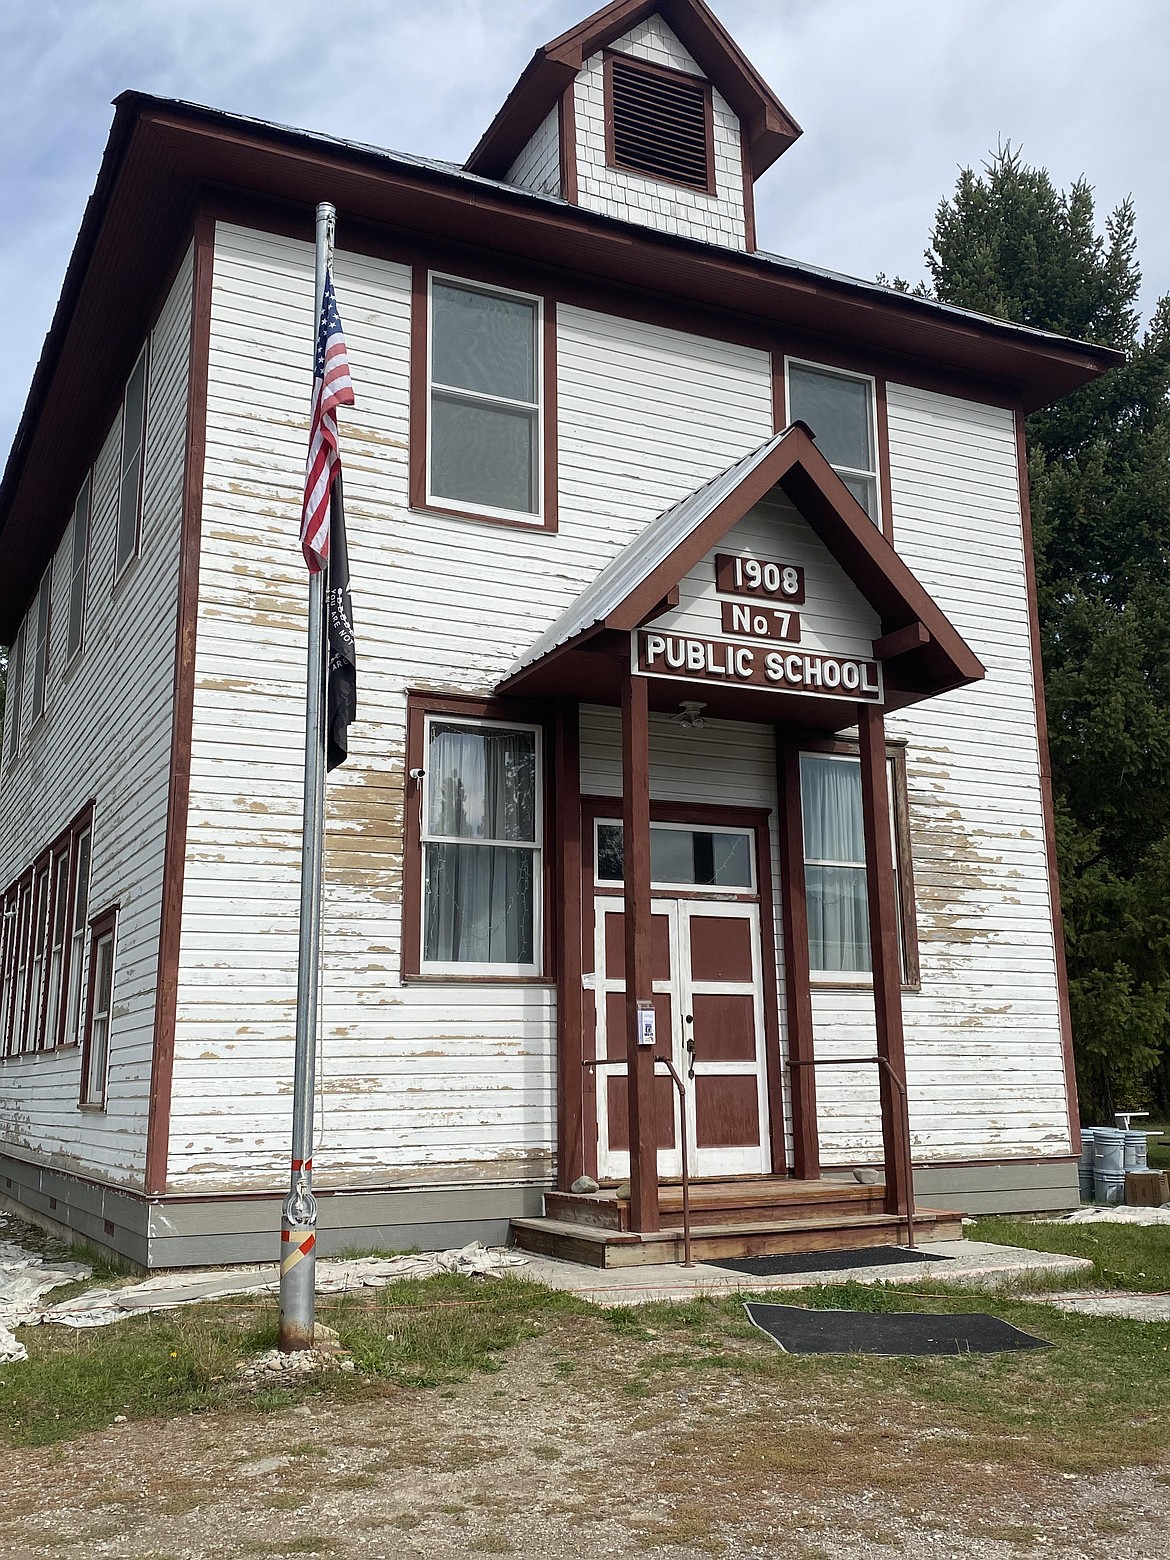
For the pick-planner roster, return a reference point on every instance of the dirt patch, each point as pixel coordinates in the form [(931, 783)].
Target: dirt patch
[(585, 1442)]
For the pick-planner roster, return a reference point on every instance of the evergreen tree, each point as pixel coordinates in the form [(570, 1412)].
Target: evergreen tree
[(1009, 243)]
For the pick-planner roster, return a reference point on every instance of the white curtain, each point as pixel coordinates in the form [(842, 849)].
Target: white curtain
[(479, 897), (834, 849)]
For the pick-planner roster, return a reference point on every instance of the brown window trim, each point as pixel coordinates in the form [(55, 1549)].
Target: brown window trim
[(420, 704), (43, 649), (663, 72), (15, 932), (420, 325), (896, 754), (99, 927), (144, 355), (847, 363), (705, 814)]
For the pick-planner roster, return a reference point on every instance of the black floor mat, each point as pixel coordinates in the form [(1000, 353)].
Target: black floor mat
[(825, 1261), (801, 1331)]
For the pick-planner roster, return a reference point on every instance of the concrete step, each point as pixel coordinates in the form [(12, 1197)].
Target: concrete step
[(721, 1202)]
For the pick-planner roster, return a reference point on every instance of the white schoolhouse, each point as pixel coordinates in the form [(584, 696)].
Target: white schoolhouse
[(700, 714)]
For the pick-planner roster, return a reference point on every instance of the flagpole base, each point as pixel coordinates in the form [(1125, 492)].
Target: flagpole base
[(298, 1285)]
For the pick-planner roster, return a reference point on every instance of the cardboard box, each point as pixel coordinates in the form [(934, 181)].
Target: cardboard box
[(1146, 1188)]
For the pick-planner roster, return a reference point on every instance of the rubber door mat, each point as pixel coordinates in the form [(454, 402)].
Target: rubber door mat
[(801, 1331)]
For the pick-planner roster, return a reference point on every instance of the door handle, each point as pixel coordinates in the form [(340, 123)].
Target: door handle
[(690, 1048)]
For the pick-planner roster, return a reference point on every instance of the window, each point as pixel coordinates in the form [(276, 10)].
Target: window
[(681, 856), (130, 468), (835, 888), (659, 123), (15, 695), (80, 910), (481, 848), (42, 945), (484, 400), (40, 666), (96, 1053), (79, 562), (840, 410)]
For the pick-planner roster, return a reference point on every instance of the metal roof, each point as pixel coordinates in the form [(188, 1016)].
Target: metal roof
[(641, 557)]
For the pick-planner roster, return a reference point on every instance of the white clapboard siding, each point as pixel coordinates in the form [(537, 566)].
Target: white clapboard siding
[(646, 416), (983, 1044), (106, 736), (538, 166), (716, 219)]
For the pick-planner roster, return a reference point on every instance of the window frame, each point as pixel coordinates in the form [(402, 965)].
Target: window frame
[(911, 976), (422, 707), (14, 700), (81, 528), (101, 927), (652, 68), (876, 402), (43, 643), (749, 891), (122, 564), (545, 373)]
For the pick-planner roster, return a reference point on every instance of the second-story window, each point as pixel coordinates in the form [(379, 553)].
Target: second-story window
[(485, 413), (40, 664), (839, 408), (130, 469), (14, 701), (78, 565)]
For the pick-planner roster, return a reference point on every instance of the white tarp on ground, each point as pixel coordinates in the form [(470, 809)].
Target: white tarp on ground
[(1119, 1214), (25, 1280)]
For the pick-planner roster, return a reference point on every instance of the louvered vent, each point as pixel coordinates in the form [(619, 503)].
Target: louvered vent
[(660, 125)]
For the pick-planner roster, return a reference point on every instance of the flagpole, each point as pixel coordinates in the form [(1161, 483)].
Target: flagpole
[(298, 1234)]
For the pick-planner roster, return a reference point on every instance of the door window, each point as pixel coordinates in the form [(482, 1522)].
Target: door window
[(682, 856)]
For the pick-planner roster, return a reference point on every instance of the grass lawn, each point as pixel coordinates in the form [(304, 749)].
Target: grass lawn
[(1124, 1256), (1045, 1407)]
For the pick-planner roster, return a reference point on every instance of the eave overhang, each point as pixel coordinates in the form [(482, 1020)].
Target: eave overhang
[(768, 128), (583, 653), (163, 158)]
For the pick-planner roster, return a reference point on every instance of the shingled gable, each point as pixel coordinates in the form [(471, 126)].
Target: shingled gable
[(922, 652), (768, 128)]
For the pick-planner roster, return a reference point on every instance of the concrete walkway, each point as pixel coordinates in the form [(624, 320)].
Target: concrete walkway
[(975, 1264)]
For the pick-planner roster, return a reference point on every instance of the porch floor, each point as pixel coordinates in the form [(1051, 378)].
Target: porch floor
[(747, 1217)]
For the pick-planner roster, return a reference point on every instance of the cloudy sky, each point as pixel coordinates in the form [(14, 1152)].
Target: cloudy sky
[(894, 97)]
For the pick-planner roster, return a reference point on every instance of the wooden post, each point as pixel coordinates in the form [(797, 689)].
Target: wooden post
[(806, 1153), (883, 937), (639, 977), (570, 998)]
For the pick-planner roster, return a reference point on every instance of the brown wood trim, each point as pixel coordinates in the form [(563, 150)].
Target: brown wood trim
[(665, 73), (885, 491), (709, 813), (913, 637), (420, 704), (99, 927), (749, 197), (179, 792), (420, 397), (884, 947), (567, 142), (1046, 795), (908, 921), (147, 355), (806, 1158), (635, 741), (769, 975), (779, 393), (570, 922)]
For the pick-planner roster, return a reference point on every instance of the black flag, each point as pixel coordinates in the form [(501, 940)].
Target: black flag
[(341, 678)]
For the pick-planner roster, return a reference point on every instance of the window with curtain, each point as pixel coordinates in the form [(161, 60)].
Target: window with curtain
[(101, 1004), (481, 844), (834, 864), (484, 399), (839, 408)]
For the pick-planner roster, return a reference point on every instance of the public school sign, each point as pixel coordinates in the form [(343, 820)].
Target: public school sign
[(695, 658)]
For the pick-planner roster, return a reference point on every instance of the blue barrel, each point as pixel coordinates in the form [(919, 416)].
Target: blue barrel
[(1085, 1167), (1109, 1164)]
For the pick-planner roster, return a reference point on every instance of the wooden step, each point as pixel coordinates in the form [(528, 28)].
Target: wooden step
[(721, 1202), (831, 1231)]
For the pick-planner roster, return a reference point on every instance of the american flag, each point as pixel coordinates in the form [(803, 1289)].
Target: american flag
[(332, 387)]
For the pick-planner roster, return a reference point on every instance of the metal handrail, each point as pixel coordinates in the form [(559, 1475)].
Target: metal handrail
[(904, 1099), (622, 1061)]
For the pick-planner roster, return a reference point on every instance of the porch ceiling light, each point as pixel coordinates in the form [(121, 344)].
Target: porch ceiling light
[(689, 714)]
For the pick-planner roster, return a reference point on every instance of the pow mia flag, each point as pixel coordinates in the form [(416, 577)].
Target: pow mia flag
[(341, 662)]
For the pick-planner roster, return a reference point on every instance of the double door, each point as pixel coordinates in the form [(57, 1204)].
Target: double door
[(709, 1017)]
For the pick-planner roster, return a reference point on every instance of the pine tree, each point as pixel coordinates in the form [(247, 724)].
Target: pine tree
[(1009, 243)]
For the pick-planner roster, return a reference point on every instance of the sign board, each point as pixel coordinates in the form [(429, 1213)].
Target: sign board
[(743, 576), (750, 620), (697, 658)]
